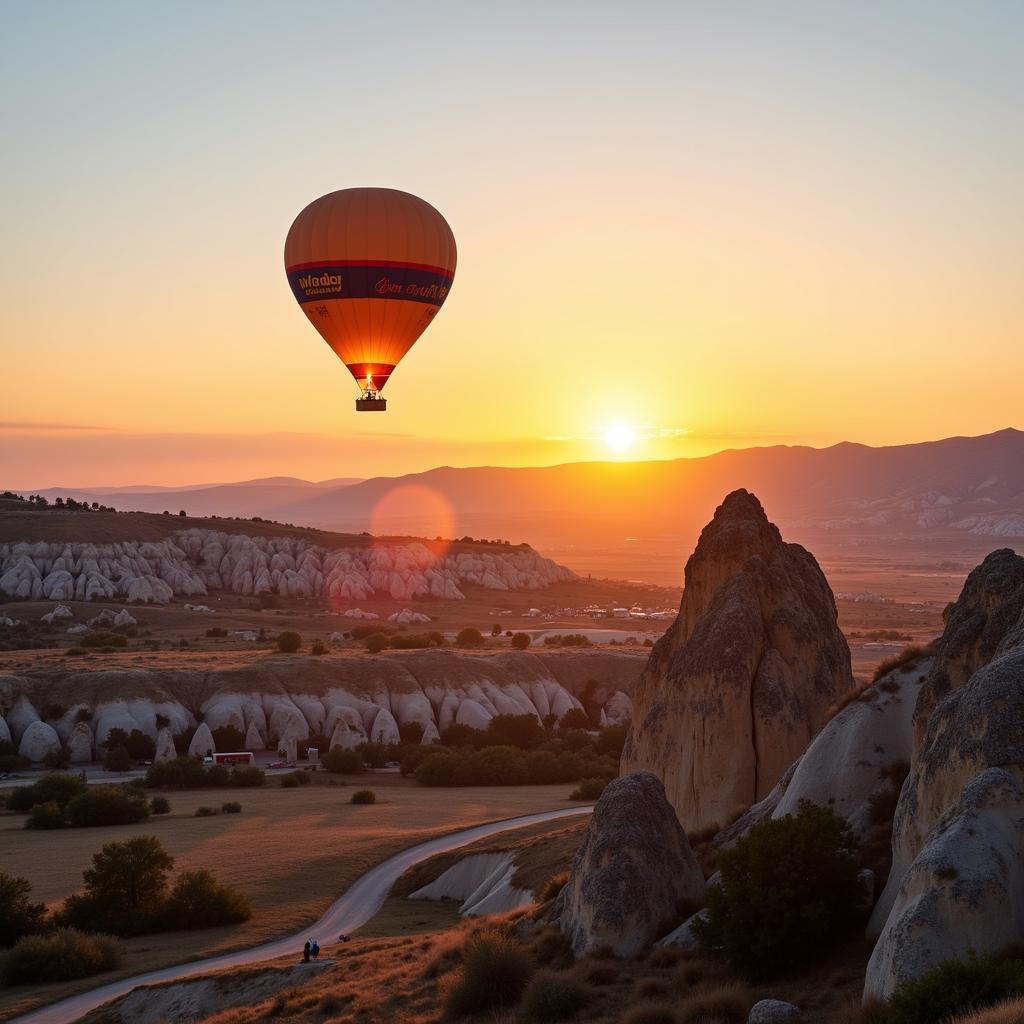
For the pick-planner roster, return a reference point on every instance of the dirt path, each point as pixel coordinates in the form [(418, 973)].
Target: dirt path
[(359, 903)]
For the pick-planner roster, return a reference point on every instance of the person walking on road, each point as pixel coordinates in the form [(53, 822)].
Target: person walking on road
[(306, 950)]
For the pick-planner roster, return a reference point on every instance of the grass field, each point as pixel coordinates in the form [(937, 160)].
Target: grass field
[(291, 851)]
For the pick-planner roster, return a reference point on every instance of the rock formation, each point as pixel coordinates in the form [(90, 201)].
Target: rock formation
[(193, 562), (165, 750), (202, 742), (80, 743), (965, 889), (631, 873), (253, 739), (482, 882), (773, 1011), (38, 740), (742, 680)]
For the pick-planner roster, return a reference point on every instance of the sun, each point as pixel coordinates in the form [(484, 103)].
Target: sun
[(619, 437)]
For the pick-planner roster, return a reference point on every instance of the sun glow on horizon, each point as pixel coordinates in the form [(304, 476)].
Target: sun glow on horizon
[(619, 437)]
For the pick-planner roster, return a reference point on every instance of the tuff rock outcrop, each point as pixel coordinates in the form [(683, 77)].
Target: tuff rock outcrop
[(165, 750), (38, 740), (773, 1011), (742, 680), (191, 563), (987, 619), (80, 743), (632, 870), (202, 742)]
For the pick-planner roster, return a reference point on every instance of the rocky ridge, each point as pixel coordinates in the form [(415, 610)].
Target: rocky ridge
[(195, 562), (283, 700)]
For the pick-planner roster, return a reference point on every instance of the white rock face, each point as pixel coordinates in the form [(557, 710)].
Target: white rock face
[(683, 936), (193, 562), (336, 637), (107, 619), (618, 709), (344, 737), (5, 732), (202, 742), (20, 717), (78, 627), (406, 617), (80, 743), (165, 750), (62, 611), (385, 728), (482, 882), (38, 740), (253, 739), (202, 609), (964, 890), (430, 734)]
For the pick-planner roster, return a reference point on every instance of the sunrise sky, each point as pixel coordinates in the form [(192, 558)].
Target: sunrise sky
[(681, 228)]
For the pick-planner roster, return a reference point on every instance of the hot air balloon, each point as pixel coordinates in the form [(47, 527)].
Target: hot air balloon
[(370, 267)]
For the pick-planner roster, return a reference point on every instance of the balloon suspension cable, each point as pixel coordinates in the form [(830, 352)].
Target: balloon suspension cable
[(370, 399)]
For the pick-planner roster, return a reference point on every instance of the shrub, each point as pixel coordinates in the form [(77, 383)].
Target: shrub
[(553, 886), (651, 1013), (103, 638), (439, 769), (411, 732), (788, 892), (19, 916), (375, 643), (107, 805), (469, 637), (137, 743), (343, 762), (496, 969), (411, 641), (289, 642), (61, 956), (575, 718), (117, 760), (205, 812), (228, 737), (231, 807), (728, 1004), (60, 787), (10, 759), (953, 987), (159, 805), (364, 796), (59, 758), (589, 789), (512, 730), (566, 640), (906, 658), (318, 648), (552, 997), (198, 900), (179, 773), (124, 889), (520, 641), (215, 631), (248, 777), (48, 815)]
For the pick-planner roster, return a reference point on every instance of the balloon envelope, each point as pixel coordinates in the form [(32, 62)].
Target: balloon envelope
[(370, 267)]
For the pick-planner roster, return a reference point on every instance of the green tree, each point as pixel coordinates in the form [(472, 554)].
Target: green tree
[(125, 888), (107, 805), (343, 762), (198, 900), (117, 760), (789, 891), (575, 718), (289, 642), (18, 914), (520, 641), (469, 637), (228, 737)]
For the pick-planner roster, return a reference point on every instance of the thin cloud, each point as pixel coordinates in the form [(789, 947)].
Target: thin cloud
[(21, 425)]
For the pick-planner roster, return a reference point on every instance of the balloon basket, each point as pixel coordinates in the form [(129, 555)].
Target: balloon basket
[(371, 404)]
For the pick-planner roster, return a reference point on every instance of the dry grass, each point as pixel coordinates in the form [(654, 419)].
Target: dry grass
[(1010, 1012), (292, 854)]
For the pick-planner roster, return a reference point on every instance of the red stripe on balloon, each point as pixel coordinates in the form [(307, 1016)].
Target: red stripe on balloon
[(400, 264)]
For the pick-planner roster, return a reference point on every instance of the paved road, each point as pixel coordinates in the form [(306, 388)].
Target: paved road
[(361, 901)]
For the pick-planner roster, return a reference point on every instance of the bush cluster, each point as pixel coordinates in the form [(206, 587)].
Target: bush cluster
[(10, 759), (364, 796), (295, 779), (103, 638), (343, 762), (191, 773), (566, 640), (496, 970), (57, 787), (19, 916), (62, 955), (126, 893), (788, 893)]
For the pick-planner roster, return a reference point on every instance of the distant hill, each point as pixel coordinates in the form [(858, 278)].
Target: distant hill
[(270, 497), (968, 490)]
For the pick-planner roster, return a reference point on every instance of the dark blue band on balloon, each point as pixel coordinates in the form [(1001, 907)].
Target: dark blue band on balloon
[(369, 281)]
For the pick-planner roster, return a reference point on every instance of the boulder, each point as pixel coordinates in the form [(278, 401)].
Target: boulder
[(80, 743), (632, 870), (773, 1011), (385, 728), (977, 726), (38, 740), (165, 749), (964, 890), (344, 737), (683, 937), (20, 717), (202, 742), (751, 665)]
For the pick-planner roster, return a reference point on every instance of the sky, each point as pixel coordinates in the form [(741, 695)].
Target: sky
[(681, 228)]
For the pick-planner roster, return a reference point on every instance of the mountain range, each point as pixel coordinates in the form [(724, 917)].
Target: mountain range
[(956, 487)]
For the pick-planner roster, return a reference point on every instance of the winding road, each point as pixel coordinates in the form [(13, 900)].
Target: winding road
[(359, 903)]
